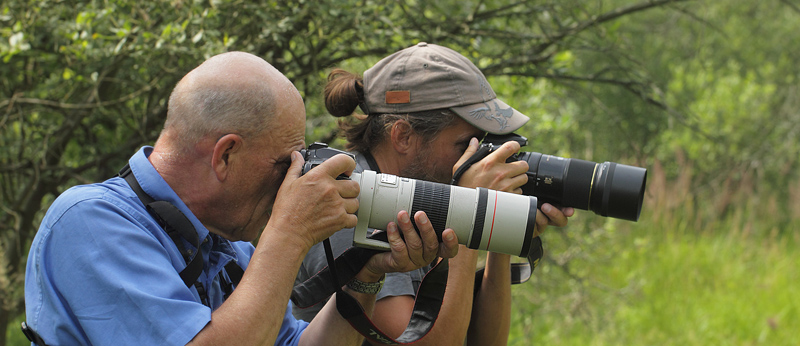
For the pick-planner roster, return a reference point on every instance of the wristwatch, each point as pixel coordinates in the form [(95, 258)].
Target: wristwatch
[(366, 287)]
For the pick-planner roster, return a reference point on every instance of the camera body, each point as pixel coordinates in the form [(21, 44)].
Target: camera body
[(317, 153), (608, 189)]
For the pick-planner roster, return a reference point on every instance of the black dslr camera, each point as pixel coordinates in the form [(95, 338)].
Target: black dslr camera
[(317, 153), (608, 189)]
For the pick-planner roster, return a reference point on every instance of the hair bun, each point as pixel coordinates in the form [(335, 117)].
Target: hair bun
[(341, 93)]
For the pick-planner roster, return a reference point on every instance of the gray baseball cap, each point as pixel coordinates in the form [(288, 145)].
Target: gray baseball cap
[(426, 77)]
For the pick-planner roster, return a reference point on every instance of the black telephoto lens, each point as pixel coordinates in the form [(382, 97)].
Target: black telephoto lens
[(608, 189)]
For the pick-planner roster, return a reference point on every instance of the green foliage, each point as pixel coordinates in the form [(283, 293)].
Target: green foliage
[(703, 94), (711, 261), (726, 100), (14, 336), (661, 285)]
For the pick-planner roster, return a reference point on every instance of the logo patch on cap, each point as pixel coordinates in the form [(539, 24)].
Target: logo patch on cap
[(399, 96)]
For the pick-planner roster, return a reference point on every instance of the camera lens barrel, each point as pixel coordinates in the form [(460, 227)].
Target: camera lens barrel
[(482, 219), (620, 191), (608, 189), (433, 199)]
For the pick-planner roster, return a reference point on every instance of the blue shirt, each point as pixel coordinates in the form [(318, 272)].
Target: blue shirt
[(101, 271)]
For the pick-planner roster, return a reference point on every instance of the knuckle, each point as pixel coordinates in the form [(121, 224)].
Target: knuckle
[(397, 245), (432, 245), (414, 244)]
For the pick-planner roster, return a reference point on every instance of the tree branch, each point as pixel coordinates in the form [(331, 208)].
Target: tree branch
[(63, 105), (793, 6), (602, 18), (638, 88)]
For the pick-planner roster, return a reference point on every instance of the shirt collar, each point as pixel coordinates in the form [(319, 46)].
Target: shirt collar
[(154, 185)]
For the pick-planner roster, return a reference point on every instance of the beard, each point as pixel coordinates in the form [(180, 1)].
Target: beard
[(423, 169)]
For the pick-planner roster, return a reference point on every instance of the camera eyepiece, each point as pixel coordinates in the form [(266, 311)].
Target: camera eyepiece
[(317, 153)]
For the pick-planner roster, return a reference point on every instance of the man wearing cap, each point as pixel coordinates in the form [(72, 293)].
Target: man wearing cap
[(425, 107)]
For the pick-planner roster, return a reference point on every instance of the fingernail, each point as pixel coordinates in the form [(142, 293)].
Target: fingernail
[(546, 208), (423, 219), (473, 141), (404, 217), (449, 237)]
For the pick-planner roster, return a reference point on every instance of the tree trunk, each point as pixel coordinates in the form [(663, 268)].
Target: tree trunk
[(4, 318)]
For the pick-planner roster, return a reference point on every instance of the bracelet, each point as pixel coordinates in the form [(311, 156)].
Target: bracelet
[(365, 287)]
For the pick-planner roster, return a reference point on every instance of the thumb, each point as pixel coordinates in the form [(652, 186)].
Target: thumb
[(295, 169), (471, 149)]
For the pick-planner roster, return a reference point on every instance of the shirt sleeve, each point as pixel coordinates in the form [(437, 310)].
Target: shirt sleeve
[(291, 329)]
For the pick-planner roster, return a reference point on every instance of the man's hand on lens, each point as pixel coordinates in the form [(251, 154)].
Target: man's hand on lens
[(413, 250), (551, 215)]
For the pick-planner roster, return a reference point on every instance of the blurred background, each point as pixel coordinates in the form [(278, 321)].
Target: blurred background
[(704, 94)]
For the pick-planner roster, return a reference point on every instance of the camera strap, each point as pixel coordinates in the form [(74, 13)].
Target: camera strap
[(32, 335), (178, 226), (319, 287), (428, 300), (520, 272), (477, 156), (331, 279)]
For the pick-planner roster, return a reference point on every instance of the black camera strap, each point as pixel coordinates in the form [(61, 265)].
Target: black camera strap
[(329, 280), (32, 335), (520, 272), (477, 156), (178, 227), (371, 163), (428, 300), (340, 270)]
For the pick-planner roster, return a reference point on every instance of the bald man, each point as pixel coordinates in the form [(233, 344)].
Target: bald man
[(102, 270)]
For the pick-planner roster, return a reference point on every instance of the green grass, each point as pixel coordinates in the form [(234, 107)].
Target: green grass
[(14, 336), (661, 287)]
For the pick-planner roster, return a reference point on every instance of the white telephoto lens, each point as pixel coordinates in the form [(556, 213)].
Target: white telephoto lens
[(482, 218)]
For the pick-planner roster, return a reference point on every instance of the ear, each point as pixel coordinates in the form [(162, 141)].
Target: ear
[(404, 140), (225, 151)]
